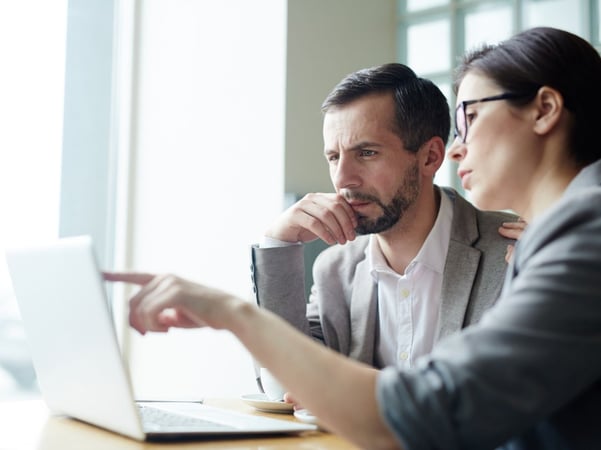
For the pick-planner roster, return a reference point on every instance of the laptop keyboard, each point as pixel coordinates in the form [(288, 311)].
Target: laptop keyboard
[(159, 419)]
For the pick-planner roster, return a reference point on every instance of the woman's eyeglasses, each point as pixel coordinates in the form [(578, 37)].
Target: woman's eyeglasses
[(461, 125)]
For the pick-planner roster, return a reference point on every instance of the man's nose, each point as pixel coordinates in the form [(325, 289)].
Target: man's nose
[(346, 173)]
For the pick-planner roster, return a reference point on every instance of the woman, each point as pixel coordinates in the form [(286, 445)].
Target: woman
[(528, 375)]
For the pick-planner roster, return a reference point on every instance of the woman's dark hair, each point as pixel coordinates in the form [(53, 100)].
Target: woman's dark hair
[(421, 109), (548, 57)]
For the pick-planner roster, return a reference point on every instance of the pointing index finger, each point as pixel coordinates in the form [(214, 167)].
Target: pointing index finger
[(128, 277)]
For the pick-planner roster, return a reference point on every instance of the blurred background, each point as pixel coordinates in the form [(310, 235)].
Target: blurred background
[(174, 131)]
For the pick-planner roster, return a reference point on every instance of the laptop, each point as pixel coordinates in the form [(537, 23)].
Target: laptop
[(76, 355)]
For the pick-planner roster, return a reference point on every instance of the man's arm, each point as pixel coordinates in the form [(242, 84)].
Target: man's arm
[(328, 217), (278, 271), (279, 283)]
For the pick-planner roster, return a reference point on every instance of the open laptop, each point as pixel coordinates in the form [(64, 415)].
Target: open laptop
[(81, 373)]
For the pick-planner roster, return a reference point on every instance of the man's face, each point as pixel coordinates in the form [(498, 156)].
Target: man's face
[(369, 165)]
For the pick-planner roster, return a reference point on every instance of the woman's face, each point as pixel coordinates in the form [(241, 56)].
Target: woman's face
[(495, 161)]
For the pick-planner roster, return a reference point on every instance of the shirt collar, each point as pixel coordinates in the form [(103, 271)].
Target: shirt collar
[(432, 254)]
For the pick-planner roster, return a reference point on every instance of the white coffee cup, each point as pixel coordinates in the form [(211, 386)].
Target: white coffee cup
[(272, 388)]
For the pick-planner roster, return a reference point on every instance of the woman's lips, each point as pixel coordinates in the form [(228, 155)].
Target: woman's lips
[(464, 176)]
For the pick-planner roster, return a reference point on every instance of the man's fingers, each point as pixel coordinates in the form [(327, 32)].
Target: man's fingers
[(330, 233), (330, 218), (325, 216)]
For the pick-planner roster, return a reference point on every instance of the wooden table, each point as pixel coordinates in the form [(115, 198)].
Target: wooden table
[(28, 424)]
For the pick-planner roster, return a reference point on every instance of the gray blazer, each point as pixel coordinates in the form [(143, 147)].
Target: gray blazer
[(528, 375), (342, 309)]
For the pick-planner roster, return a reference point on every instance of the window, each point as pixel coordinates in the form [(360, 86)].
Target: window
[(433, 34), (487, 25), (160, 113), (56, 150), (565, 14), (205, 172), (429, 55), (31, 113)]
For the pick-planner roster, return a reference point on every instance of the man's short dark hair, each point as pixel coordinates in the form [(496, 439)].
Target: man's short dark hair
[(421, 109)]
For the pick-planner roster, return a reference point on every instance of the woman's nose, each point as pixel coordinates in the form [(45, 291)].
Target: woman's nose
[(456, 151)]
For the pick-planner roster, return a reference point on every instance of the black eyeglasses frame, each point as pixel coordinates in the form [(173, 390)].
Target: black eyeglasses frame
[(465, 103)]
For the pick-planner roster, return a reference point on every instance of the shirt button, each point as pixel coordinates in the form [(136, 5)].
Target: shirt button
[(405, 293), (404, 356)]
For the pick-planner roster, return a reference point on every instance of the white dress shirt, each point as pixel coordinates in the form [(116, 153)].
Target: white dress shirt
[(409, 303)]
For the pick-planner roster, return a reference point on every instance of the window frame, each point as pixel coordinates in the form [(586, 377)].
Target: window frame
[(456, 11)]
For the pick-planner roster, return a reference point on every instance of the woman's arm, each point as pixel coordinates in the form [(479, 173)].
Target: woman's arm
[(340, 391)]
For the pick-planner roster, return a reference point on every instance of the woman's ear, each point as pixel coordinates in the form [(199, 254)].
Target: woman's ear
[(549, 108)]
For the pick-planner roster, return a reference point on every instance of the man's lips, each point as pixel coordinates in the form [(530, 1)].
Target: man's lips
[(359, 204)]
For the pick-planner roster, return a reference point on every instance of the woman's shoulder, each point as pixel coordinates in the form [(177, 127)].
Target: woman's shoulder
[(573, 224)]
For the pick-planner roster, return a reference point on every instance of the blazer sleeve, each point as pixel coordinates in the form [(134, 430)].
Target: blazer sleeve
[(278, 276)]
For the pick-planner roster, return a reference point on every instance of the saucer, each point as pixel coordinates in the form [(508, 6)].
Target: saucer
[(304, 415), (262, 403)]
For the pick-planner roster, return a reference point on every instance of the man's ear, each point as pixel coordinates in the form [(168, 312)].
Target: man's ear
[(549, 108), (433, 152)]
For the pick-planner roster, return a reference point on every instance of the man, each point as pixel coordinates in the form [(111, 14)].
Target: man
[(425, 264)]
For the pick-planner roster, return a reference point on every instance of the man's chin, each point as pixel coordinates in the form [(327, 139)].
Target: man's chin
[(363, 228), (364, 225), (372, 227)]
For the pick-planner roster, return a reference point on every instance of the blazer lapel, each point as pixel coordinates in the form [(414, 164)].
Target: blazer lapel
[(461, 266), (458, 279), (363, 315)]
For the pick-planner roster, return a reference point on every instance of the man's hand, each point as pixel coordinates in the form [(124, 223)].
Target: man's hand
[(328, 217)]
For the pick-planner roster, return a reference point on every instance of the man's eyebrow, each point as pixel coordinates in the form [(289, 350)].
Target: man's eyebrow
[(358, 146), (363, 144)]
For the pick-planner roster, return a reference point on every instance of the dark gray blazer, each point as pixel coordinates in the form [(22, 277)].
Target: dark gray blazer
[(342, 309), (528, 375)]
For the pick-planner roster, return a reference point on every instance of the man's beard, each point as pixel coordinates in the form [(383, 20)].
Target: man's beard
[(392, 212)]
